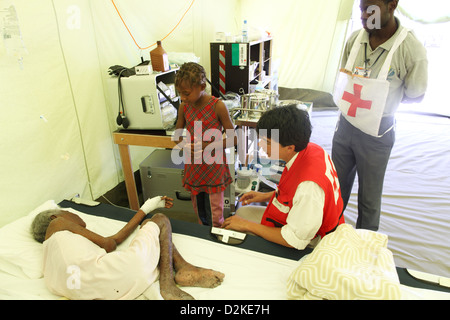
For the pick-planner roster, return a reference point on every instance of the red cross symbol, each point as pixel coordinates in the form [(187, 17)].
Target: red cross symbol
[(356, 101)]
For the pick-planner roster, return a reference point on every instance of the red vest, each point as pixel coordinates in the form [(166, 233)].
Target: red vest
[(312, 164)]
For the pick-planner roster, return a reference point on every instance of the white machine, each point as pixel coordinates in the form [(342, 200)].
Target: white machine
[(247, 179), (144, 102)]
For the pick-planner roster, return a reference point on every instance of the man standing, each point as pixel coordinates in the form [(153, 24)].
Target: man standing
[(383, 65)]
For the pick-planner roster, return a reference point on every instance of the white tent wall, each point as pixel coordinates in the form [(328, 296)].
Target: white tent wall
[(308, 38), (56, 141), (42, 155), (79, 50), (57, 119)]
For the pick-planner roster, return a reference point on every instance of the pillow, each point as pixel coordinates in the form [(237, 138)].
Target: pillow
[(347, 264), (22, 256)]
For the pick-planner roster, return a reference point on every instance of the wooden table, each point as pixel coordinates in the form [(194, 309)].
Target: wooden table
[(126, 138), (158, 139)]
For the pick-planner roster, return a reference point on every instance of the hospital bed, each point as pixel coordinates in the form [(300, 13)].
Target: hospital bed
[(415, 218), (254, 270)]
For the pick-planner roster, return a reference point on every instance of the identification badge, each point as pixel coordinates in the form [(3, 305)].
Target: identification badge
[(362, 72)]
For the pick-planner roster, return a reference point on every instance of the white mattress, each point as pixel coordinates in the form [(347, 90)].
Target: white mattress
[(416, 196)]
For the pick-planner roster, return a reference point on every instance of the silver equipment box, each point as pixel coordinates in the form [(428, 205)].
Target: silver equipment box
[(143, 100), (161, 177)]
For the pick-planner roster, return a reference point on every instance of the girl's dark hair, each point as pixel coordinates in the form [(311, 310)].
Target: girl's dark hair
[(192, 73), (293, 125)]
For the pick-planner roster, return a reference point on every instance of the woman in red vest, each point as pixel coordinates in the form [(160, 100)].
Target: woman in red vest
[(307, 203)]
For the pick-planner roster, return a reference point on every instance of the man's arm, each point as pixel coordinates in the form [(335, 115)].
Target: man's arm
[(109, 243), (272, 234), (306, 215), (128, 229), (256, 196), (148, 206), (61, 224), (303, 222), (407, 99), (416, 72)]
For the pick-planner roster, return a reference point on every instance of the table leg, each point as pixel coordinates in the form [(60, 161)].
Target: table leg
[(130, 182)]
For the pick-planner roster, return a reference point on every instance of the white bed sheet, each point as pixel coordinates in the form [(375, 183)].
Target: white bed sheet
[(416, 195), (249, 275)]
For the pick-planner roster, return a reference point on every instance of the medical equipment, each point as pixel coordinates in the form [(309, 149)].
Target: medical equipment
[(247, 178), (145, 102), (253, 105), (228, 236), (162, 174)]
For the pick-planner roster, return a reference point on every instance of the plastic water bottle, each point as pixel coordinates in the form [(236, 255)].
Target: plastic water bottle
[(245, 32)]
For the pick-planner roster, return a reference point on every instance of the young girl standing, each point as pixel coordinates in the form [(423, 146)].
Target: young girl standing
[(204, 116)]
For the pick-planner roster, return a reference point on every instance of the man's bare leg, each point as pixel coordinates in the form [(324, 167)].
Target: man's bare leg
[(187, 275)]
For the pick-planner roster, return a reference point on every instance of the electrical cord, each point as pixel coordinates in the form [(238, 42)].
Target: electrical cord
[(121, 117), (167, 35)]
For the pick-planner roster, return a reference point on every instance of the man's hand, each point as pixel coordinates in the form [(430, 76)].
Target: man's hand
[(155, 203), (272, 234), (407, 99), (236, 223), (168, 202), (254, 196)]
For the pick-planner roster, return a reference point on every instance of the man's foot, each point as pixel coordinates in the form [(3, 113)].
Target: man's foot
[(191, 276), (172, 292)]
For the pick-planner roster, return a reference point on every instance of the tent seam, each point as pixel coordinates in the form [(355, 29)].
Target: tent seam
[(73, 101)]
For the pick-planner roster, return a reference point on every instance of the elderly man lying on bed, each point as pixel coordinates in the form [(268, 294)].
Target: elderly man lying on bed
[(307, 203), (80, 264)]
